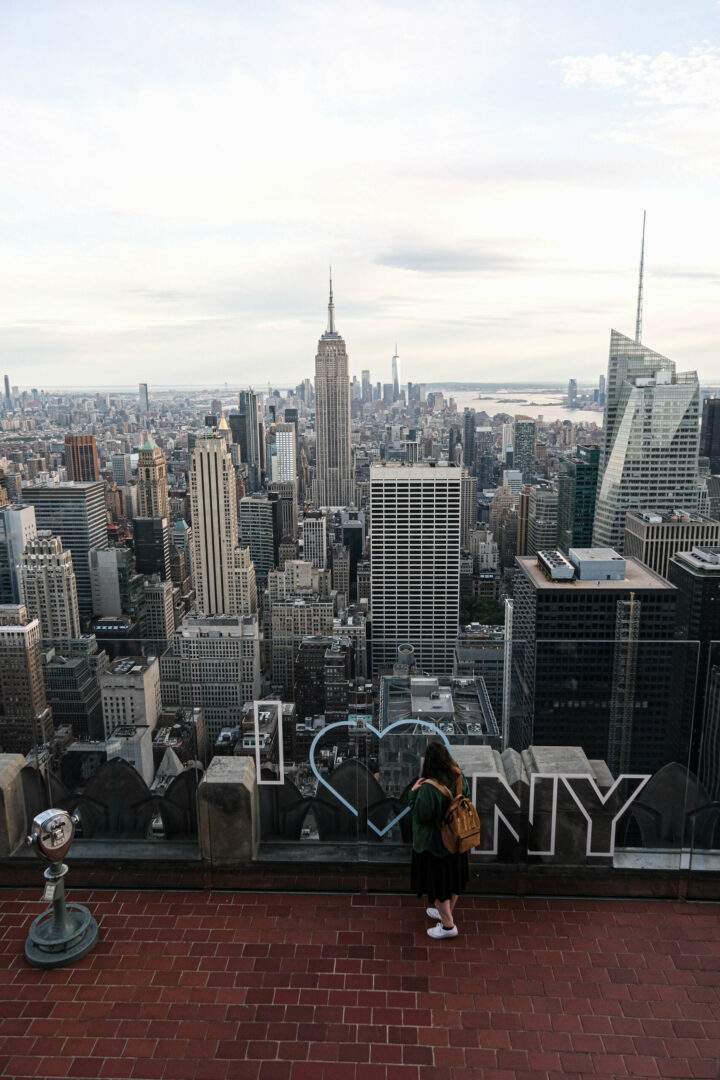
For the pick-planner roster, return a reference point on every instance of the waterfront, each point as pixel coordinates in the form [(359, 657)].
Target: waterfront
[(548, 405)]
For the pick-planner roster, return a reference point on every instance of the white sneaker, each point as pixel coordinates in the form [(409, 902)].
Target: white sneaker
[(433, 913), (440, 933)]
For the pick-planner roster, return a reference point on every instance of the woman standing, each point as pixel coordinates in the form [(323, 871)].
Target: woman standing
[(436, 873)]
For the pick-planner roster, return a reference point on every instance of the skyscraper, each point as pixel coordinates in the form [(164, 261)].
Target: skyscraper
[(143, 399), (572, 392), (396, 375), (25, 719), (650, 457), (261, 531), (469, 438), (366, 386), (710, 433), (81, 458), (333, 481), (284, 461), (151, 544), (8, 396), (577, 494), (48, 588), (152, 484), (415, 563), (524, 436), (17, 527), (76, 513), (542, 520), (245, 429), (213, 508), (595, 661)]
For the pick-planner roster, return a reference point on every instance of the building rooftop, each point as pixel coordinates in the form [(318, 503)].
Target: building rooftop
[(670, 517), (637, 576), (133, 665), (702, 560), (287, 986)]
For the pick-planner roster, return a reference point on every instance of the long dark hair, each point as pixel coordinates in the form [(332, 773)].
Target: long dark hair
[(439, 764)]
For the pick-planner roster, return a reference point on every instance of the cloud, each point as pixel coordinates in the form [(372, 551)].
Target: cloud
[(668, 79), (452, 260)]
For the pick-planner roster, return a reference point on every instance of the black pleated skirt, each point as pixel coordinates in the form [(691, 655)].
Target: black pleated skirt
[(439, 877)]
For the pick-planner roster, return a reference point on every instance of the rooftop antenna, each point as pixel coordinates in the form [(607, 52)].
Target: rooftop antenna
[(331, 309), (638, 317)]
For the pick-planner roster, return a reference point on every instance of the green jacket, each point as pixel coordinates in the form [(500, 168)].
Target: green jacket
[(428, 810)]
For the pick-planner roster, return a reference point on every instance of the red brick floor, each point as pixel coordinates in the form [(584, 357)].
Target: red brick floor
[(240, 986)]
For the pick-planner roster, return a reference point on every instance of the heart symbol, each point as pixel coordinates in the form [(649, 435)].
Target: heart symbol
[(381, 735)]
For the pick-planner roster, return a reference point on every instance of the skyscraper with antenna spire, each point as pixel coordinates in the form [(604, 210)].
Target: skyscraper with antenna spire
[(651, 433), (396, 374), (333, 481)]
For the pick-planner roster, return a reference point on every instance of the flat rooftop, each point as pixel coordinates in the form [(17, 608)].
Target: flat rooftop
[(281, 986), (637, 576), (670, 517)]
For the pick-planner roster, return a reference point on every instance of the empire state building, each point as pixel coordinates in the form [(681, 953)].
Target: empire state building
[(333, 482)]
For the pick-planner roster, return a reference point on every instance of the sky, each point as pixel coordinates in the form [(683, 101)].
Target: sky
[(176, 177)]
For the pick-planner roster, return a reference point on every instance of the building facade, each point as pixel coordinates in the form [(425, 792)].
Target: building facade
[(654, 536), (76, 513), (25, 717), (415, 563), (214, 515), (48, 588), (333, 480)]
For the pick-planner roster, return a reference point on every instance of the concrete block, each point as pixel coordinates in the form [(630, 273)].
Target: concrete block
[(13, 826), (227, 811)]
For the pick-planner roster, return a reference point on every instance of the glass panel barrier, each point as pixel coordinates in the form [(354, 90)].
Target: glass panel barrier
[(703, 790)]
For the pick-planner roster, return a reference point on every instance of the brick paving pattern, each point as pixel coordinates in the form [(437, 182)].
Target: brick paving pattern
[(270, 986)]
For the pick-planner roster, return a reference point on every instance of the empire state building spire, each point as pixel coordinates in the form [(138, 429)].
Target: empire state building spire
[(331, 309)]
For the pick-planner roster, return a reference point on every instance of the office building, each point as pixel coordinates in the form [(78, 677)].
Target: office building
[(261, 531), (480, 653), (130, 693), (245, 427), (291, 620), (333, 481), (73, 694), (213, 664), (524, 436), (353, 624), (651, 439), (596, 666), (468, 507), (25, 717), (244, 582), (324, 669), (366, 386), (340, 569), (48, 588), (542, 520), (159, 605), (653, 537), (74, 512), (81, 458), (117, 588), (8, 395), (17, 528), (286, 491), (214, 515), (710, 433), (415, 563), (152, 482), (143, 399), (577, 494), (151, 544), (121, 465), (314, 539), (469, 422), (572, 393), (284, 459)]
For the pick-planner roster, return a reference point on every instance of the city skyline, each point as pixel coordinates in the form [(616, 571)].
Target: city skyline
[(137, 235)]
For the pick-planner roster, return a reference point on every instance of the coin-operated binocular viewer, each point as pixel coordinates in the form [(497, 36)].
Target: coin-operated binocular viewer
[(64, 932)]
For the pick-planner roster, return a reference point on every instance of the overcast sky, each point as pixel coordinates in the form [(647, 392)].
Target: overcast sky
[(176, 177)]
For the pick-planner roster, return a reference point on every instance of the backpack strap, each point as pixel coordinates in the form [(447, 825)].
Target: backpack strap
[(442, 789)]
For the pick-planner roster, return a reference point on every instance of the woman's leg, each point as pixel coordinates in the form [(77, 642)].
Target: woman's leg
[(446, 915), (453, 901)]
